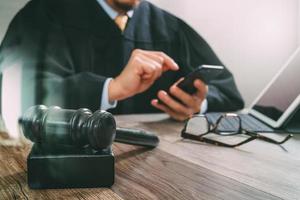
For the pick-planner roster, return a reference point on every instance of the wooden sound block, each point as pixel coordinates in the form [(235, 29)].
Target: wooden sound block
[(69, 167)]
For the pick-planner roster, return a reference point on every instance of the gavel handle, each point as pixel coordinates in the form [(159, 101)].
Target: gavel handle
[(136, 137)]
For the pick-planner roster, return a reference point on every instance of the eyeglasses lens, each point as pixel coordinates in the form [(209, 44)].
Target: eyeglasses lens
[(229, 125), (197, 125)]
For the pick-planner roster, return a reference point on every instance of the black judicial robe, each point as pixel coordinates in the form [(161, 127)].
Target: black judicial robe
[(67, 49)]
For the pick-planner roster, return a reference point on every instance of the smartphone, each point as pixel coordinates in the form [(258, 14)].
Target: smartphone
[(206, 73)]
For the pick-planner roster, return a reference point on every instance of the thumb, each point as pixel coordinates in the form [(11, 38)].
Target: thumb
[(202, 89)]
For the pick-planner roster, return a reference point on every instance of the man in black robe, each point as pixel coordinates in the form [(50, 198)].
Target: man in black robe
[(74, 55)]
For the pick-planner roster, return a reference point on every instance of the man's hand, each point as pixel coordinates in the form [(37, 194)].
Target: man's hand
[(142, 69), (189, 104)]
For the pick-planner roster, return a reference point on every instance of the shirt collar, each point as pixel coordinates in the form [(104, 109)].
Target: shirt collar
[(111, 12)]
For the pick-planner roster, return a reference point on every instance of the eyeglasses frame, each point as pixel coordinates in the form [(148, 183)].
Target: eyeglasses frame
[(213, 128)]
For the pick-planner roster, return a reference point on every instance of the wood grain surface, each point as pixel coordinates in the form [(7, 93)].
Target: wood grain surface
[(176, 169)]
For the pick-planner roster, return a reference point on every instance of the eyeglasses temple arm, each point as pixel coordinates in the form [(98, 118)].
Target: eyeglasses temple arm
[(267, 139)]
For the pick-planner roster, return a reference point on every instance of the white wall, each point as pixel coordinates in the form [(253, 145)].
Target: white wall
[(298, 18), (252, 37), (8, 9)]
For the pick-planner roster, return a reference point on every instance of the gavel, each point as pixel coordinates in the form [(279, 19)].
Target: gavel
[(81, 127)]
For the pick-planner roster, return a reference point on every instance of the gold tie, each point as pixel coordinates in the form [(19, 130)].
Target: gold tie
[(121, 21)]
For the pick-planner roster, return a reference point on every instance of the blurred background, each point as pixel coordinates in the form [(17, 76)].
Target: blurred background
[(253, 38)]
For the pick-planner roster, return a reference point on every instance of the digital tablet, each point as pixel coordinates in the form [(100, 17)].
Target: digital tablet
[(281, 97)]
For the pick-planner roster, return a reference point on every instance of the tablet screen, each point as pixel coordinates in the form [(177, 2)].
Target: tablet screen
[(282, 92)]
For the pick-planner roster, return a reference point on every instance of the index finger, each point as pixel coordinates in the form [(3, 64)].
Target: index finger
[(169, 63)]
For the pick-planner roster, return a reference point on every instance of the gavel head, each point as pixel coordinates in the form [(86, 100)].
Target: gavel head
[(100, 129), (80, 127)]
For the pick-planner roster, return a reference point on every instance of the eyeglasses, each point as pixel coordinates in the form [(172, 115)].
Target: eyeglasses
[(198, 127)]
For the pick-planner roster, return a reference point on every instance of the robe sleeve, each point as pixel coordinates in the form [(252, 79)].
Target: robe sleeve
[(223, 94), (49, 74)]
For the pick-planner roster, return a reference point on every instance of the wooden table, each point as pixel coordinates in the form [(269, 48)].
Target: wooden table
[(177, 169)]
